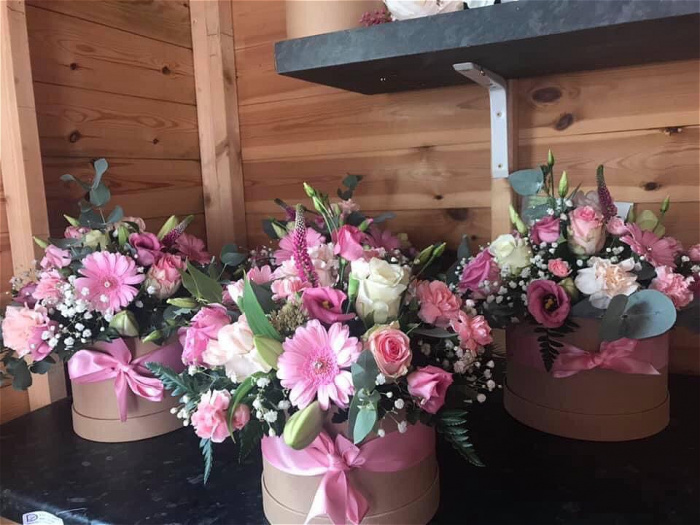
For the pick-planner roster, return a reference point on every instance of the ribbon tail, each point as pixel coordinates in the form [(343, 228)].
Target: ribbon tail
[(632, 366), (120, 391), (330, 498)]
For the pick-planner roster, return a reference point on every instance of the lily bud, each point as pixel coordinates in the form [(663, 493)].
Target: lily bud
[(304, 426), (72, 221), (517, 221), (41, 243), (439, 250), (424, 256), (353, 286), (269, 349), (125, 324), (310, 192), (631, 217), (666, 204), (569, 287), (122, 235), (563, 184), (550, 158), (168, 226), (183, 302), (153, 336)]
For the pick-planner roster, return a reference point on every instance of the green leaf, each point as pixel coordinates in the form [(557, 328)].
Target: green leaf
[(99, 196), (206, 289), (269, 349), (100, 166), (364, 422), (257, 320), (438, 333), (243, 389), (364, 372), (230, 255), (208, 455), (584, 308), (527, 182), (452, 425), (250, 436)]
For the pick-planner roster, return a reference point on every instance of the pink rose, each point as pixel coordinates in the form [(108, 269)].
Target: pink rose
[(694, 253), (429, 384), (438, 305), (473, 332), (348, 242), (25, 295), (479, 269), (48, 289), (559, 267), (205, 326), (325, 304), (209, 420), (391, 349), (147, 247), (192, 248), (164, 278), (548, 303), (545, 230), (674, 286), (616, 226), (55, 257), (283, 288), (20, 326), (75, 232), (586, 231)]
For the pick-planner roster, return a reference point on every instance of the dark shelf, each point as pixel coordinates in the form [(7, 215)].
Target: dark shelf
[(518, 39)]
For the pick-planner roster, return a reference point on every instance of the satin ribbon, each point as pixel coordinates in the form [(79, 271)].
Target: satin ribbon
[(114, 361), (616, 355), (336, 497)]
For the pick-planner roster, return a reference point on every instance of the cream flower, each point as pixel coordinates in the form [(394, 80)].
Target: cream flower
[(380, 287), (603, 280), (234, 349), (511, 252)]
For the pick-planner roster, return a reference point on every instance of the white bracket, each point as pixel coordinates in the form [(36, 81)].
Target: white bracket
[(498, 101)]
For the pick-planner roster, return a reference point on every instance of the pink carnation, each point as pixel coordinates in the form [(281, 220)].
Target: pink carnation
[(694, 253), (430, 384), (315, 363), (673, 285), (286, 245), (22, 328), (55, 257), (147, 247), (204, 327), (192, 248), (480, 268), (209, 420), (616, 226), (108, 280), (658, 251), (48, 289), (378, 238), (473, 332), (348, 242), (325, 304), (438, 305), (545, 230)]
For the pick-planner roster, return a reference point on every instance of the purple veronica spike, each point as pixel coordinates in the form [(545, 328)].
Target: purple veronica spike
[(606, 200), (305, 266)]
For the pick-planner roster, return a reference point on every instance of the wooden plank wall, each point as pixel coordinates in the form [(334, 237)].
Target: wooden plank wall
[(115, 79), (425, 153)]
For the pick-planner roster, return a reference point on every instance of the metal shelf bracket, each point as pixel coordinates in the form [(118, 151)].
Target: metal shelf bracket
[(498, 101)]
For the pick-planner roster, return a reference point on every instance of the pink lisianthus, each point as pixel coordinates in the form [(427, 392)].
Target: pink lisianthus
[(694, 253), (378, 238), (559, 267), (348, 242), (48, 289), (192, 248), (429, 384), (548, 303), (658, 251), (108, 280), (481, 268), (163, 278), (315, 362), (673, 285), (545, 230), (438, 305), (391, 349), (209, 420), (586, 231), (325, 304), (55, 257), (25, 295), (473, 332), (205, 326), (147, 247), (286, 245), (616, 226), (20, 326), (75, 232)]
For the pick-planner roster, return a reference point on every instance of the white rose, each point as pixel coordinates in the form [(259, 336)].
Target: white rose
[(603, 280), (407, 9), (235, 351), (512, 252), (380, 287)]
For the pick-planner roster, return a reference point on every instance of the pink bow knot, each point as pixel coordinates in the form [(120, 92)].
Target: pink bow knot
[(114, 361), (615, 355)]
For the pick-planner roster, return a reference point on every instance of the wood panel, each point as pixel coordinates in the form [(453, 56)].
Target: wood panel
[(258, 23), (78, 123), (72, 52), (166, 20), (13, 403)]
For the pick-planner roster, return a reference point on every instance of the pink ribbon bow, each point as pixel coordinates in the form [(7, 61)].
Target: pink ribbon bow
[(114, 361), (335, 496), (615, 355)]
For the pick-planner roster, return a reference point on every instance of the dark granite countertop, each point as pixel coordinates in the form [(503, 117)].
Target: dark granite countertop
[(531, 477)]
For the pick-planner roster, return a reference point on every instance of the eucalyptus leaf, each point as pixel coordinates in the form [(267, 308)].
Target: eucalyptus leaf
[(21, 378), (100, 166), (463, 250), (364, 372), (116, 215), (611, 324), (648, 313), (99, 196), (646, 273), (586, 309), (535, 213), (230, 255), (527, 182), (438, 333), (91, 219), (383, 217), (364, 422), (70, 178), (40, 367)]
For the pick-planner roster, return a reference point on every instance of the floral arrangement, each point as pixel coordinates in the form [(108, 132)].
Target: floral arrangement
[(106, 278), (342, 323), (571, 255)]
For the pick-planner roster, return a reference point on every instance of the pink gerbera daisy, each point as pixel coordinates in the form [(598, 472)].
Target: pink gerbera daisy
[(286, 245), (107, 280), (658, 251), (314, 362)]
